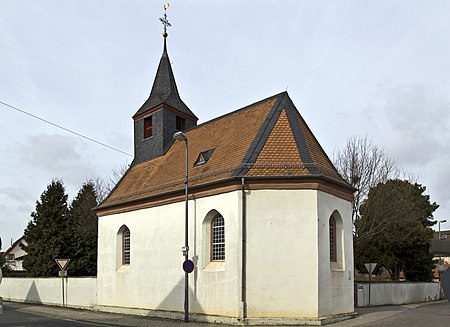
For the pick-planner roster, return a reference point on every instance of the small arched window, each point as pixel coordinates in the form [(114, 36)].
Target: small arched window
[(126, 246), (218, 239), (333, 244)]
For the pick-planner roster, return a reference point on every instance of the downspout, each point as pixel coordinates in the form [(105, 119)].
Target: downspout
[(244, 255)]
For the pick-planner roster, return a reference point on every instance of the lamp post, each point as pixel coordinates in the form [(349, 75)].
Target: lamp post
[(439, 226), (180, 136), (440, 268)]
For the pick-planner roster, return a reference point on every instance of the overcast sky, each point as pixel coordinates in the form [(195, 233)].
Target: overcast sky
[(357, 67)]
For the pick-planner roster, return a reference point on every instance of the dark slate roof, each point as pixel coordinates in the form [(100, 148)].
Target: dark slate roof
[(164, 90), (268, 139)]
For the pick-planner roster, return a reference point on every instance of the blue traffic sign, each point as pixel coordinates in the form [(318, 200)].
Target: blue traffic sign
[(188, 266)]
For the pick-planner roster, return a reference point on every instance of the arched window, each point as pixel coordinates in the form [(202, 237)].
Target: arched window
[(126, 245), (333, 245), (217, 239), (336, 234)]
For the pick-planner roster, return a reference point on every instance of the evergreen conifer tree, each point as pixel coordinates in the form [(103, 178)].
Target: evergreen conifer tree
[(83, 223), (47, 234), (395, 230)]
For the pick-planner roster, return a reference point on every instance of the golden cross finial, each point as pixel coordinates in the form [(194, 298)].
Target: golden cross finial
[(164, 20)]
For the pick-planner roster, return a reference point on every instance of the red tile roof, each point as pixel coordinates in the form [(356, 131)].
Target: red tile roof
[(266, 139)]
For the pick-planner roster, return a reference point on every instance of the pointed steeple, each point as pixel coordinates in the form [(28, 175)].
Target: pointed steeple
[(164, 89), (162, 114)]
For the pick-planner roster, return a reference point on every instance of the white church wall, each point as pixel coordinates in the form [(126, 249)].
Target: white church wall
[(288, 266), (335, 281), (217, 283), (282, 254), (154, 279)]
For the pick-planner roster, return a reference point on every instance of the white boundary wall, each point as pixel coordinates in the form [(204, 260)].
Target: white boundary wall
[(79, 292), (395, 293)]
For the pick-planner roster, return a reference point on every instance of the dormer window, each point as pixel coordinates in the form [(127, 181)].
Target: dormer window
[(200, 160), (203, 157), (180, 124), (148, 127)]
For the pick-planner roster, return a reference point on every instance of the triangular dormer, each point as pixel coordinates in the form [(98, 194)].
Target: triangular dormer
[(161, 115)]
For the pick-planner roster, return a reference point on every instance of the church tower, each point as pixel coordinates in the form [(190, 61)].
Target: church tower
[(163, 114)]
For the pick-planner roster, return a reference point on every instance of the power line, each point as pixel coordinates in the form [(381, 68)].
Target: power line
[(75, 133), (65, 129)]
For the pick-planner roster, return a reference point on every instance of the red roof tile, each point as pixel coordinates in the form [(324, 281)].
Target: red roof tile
[(266, 139)]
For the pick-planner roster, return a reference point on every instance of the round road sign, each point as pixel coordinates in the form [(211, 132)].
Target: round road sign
[(188, 266)]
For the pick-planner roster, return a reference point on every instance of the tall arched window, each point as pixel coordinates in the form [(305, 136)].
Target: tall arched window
[(218, 239), (126, 246), (333, 245), (336, 234)]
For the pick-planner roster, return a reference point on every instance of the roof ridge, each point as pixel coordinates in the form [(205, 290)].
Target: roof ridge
[(320, 147), (263, 134), (299, 137), (238, 110)]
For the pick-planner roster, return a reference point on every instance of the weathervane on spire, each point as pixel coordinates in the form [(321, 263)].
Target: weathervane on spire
[(164, 20)]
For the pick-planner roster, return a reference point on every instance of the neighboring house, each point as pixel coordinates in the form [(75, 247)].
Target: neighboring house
[(14, 255), (442, 249), (444, 246), (270, 228)]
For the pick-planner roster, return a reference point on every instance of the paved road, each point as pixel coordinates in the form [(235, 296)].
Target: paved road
[(17, 318), (436, 314), (25, 315)]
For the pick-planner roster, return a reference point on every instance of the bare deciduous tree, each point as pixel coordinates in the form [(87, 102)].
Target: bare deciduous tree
[(104, 186), (364, 165)]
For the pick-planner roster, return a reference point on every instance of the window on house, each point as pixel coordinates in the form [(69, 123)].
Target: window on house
[(11, 257), (148, 127), (180, 124), (333, 245), (126, 246), (218, 239)]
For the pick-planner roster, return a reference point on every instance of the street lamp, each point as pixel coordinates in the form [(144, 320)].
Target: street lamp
[(440, 268), (180, 136), (439, 226)]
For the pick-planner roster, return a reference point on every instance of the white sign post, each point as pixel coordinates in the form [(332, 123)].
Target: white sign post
[(370, 268), (62, 264)]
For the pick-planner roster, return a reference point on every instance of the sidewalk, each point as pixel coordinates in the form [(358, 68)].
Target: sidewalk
[(374, 314), (366, 316)]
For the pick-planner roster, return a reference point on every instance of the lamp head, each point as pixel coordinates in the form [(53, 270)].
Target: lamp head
[(179, 136)]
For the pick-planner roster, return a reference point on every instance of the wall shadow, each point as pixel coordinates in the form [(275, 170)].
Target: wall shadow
[(33, 294), (174, 301)]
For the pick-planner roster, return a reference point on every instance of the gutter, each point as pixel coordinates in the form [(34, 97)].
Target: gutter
[(244, 255)]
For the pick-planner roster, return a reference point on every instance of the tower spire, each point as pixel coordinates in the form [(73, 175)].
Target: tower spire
[(163, 113)]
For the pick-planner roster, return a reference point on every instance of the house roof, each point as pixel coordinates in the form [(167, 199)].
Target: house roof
[(267, 139), (164, 90), (14, 245)]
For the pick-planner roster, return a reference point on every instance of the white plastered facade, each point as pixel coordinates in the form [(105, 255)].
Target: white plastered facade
[(289, 278)]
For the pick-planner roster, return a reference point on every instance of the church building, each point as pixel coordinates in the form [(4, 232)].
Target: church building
[(269, 217)]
